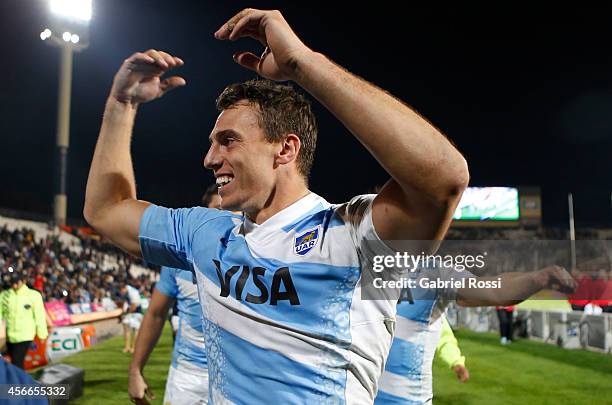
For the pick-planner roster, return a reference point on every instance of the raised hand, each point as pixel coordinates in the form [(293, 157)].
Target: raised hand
[(283, 49), (139, 78)]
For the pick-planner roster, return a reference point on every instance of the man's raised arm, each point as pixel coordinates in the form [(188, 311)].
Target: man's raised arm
[(111, 206), (517, 287), (428, 175)]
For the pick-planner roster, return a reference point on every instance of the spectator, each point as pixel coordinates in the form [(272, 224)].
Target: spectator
[(39, 281), (133, 317), (25, 316), (505, 315), (68, 272)]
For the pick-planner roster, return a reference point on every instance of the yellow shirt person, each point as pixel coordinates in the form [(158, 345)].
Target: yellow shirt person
[(23, 310)]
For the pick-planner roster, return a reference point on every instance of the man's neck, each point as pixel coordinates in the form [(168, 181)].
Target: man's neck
[(281, 198)]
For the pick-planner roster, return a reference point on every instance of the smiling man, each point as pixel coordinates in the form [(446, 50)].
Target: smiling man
[(280, 286)]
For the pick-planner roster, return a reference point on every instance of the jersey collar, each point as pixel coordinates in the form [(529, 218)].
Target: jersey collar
[(282, 218)]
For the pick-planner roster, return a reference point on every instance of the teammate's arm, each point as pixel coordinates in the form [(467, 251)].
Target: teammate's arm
[(148, 335), (517, 287), (448, 351), (111, 206), (428, 175)]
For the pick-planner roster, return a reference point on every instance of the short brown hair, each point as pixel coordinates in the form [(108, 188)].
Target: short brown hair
[(282, 110)]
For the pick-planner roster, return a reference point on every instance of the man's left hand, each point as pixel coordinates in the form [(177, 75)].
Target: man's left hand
[(283, 49)]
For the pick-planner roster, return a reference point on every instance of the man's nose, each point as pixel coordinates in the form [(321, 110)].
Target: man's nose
[(212, 160)]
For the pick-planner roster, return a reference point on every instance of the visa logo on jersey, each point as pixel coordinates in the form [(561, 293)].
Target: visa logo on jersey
[(282, 288), (306, 241)]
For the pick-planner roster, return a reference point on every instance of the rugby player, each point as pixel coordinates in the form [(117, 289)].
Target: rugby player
[(279, 287)]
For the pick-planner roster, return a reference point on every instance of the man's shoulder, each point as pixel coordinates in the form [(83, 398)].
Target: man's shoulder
[(34, 293), (194, 216), (335, 220), (213, 218), (355, 203), (334, 215), (356, 207), (360, 200)]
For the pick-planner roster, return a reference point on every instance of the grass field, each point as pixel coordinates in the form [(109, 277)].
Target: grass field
[(524, 372), (106, 371)]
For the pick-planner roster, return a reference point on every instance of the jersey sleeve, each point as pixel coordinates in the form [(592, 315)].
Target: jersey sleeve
[(448, 348), (167, 282), (357, 214), (166, 234)]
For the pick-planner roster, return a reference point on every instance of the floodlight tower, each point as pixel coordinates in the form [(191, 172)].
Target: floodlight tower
[(68, 29)]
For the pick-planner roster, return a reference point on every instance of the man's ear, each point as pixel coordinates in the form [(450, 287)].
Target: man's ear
[(290, 147)]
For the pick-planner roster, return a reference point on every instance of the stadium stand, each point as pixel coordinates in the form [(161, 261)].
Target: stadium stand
[(73, 268), (79, 277)]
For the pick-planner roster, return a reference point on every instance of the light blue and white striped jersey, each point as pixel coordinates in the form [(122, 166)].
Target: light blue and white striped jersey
[(189, 353), (283, 318), (407, 379)]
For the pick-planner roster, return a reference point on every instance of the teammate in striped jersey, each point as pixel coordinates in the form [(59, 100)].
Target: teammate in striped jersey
[(187, 382)]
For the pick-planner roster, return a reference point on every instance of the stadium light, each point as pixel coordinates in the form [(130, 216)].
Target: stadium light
[(68, 29), (46, 34), (72, 9)]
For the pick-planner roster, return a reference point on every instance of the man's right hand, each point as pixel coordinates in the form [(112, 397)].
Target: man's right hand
[(556, 278), (461, 372), (138, 389), (139, 78)]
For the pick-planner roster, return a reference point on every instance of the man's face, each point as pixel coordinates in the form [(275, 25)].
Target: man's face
[(242, 160), (15, 285)]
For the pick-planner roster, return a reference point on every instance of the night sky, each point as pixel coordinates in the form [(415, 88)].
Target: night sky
[(526, 95)]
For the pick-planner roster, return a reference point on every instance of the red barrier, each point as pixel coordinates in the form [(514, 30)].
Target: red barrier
[(36, 355)]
